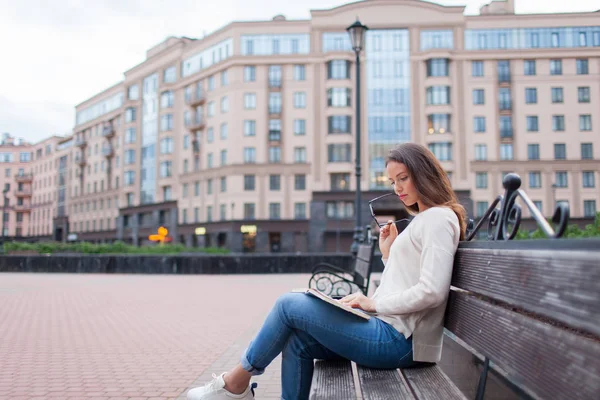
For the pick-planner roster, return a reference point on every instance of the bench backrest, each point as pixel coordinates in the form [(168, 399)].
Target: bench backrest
[(532, 308), (363, 264)]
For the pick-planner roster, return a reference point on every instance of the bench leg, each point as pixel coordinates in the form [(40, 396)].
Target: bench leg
[(483, 379)]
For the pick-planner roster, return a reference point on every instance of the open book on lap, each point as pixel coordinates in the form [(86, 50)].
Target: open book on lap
[(333, 302)]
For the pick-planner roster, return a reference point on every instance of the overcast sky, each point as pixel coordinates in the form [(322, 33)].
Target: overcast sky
[(56, 54)]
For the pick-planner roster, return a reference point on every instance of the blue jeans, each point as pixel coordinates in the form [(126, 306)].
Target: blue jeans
[(304, 328)]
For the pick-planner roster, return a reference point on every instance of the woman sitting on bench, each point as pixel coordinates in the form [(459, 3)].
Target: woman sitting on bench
[(408, 305)]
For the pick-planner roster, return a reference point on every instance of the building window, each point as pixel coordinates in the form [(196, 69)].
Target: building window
[(209, 160), (339, 209), (299, 72), (340, 181), (588, 179), (529, 67), (587, 151), (482, 207), (438, 95), (583, 94), (130, 114), (561, 179), (209, 214), (299, 210), (582, 66), (249, 73), (557, 95), (476, 68), (211, 83), (481, 180), (249, 155), (478, 96), (224, 104), (165, 169), (299, 182), (442, 151), (585, 122), (338, 97), (275, 76), (223, 131), (438, 123), (209, 186), (300, 100), (166, 122), (129, 157), (210, 135), (224, 78), (274, 103), (249, 183), (196, 189), (223, 184), (338, 69), (275, 182), (274, 130), (532, 123), (274, 210), (166, 99), (480, 152), (274, 154), (250, 101), (167, 193), (249, 127), (437, 67), (533, 151), (560, 151), (223, 212), (338, 152), (535, 180), (558, 123), (479, 124), (506, 151), (249, 211), (166, 145), (538, 205), (339, 124), (589, 208), (133, 92), (530, 95), (299, 127), (299, 154), (555, 67)]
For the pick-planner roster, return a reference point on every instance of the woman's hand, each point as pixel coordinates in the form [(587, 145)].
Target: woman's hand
[(387, 235), (359, 300)]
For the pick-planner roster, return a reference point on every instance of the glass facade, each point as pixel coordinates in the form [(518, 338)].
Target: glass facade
[(442, 39), (388, 97), (532, 38), (149, 139), (336, 41), (268, 45), (214, 54)]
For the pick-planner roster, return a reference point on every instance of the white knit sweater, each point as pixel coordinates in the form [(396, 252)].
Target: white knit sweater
[(415, 283)]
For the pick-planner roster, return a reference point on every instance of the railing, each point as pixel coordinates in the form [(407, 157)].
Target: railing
[(503, 77), (274, 136), (108, 130), (505, 105), (506, 133)]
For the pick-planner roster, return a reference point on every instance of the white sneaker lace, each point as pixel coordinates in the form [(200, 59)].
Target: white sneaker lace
[(212, 384)]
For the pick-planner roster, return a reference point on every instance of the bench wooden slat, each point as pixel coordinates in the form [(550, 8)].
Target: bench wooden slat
[(562, 285), (382, 384), (431, 383), (333, 382), (546, 361)]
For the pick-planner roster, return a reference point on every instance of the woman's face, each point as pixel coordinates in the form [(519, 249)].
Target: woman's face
[(402, 183)]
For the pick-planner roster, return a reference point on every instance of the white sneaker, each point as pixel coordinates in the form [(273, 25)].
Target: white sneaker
[(215, 390)]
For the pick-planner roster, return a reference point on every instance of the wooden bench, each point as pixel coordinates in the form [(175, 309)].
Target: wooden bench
[(529, 310), (336, 281)]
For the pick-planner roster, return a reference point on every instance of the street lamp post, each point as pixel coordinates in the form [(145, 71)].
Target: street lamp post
[(357, 32), (5, 199)]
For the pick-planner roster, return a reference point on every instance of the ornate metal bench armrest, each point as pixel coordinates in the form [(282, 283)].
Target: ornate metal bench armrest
[(326, 267)]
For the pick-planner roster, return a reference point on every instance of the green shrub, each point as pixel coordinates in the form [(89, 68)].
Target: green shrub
[(573, 231)]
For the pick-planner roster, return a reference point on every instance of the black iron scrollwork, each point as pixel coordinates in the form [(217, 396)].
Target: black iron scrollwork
[(504, 221), (331, 284)]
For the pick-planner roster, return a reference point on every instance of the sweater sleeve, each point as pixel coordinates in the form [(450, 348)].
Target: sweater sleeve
[(439, 243)]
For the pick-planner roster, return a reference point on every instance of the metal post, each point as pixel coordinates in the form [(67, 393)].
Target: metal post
[(357, 205), (4, 192)]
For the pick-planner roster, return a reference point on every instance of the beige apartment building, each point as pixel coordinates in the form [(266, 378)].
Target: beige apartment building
[(245, 138)]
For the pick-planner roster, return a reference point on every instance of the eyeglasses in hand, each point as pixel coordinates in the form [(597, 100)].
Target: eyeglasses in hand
[(380, 225)]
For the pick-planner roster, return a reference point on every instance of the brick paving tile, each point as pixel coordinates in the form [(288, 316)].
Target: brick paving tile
[(128, 336)]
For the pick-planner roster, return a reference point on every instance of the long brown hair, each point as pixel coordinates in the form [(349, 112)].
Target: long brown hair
[(429, 179)]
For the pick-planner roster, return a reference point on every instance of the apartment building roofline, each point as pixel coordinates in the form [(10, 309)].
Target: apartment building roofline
[(95, 97), (363, 3)]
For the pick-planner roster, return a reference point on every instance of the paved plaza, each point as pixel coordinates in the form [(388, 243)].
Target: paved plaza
[(119, 337)]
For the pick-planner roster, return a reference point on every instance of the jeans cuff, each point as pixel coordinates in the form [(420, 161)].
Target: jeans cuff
[(248, 367)]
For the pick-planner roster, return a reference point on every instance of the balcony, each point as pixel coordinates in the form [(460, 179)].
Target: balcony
[(108, 131), (274, 110), (23, 192), (24, 178), (80, 160), (504, 77), (80, 142), (506, 133), (274, 136), (506, 105), (22, 207), (196, 99), (108, 151), (196, 145), (275, 83), (197, 124)]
